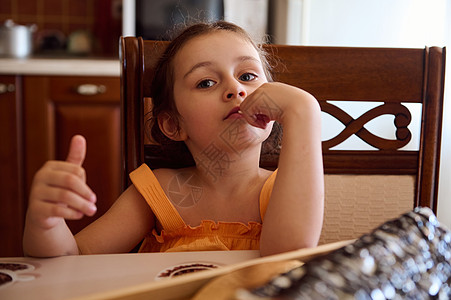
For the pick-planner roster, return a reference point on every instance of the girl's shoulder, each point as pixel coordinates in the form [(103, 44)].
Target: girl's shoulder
[(165, 175), (266, 172), (269, 178)]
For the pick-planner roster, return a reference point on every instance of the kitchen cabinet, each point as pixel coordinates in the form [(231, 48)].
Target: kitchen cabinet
[(38, 119), (58, 107), (11, 167)]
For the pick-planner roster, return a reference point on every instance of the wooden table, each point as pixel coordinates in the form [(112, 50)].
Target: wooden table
[(130, 276)]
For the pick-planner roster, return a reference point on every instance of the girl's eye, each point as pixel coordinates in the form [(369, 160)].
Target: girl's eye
[(248, 77), (204, 84)]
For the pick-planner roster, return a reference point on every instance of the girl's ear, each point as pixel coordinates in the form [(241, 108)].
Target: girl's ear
[(169, 127)]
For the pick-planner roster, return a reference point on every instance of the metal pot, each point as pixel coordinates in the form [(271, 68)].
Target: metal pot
[(16, 40)]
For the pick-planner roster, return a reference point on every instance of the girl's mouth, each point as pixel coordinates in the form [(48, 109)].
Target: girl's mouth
[(235, 113)]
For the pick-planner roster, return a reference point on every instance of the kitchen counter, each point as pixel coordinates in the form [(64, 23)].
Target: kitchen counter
[(60, 66)]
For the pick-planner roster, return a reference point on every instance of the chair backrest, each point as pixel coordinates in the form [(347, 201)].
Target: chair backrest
[(363, 187)]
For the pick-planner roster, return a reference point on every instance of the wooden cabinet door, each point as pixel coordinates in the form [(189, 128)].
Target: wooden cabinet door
[(55, 109), (11, 179)]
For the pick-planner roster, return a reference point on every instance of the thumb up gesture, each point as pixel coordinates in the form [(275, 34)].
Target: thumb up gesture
[(77, 150), (59, 190)]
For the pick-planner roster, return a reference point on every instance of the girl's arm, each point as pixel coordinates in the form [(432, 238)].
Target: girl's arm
[(121, 228), (294, 215), (59, 191)]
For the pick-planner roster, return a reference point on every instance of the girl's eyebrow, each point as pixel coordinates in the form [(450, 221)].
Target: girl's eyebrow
[(246, 58), (209, 63), (197, 66)]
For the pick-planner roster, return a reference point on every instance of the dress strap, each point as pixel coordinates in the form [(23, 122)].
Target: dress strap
[(265, 193), (149, 187)]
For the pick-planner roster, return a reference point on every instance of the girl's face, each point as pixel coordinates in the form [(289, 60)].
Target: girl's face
[(213, 74)]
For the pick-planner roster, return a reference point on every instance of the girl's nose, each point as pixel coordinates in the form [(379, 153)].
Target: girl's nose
[(235, 91)]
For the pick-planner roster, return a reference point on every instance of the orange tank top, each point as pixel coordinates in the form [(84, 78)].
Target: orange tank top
[(209, 235)]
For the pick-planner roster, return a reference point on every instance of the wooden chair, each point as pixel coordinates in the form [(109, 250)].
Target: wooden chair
[(364, 188)]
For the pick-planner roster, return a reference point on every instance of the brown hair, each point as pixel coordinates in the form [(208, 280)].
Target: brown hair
[(162, 86)]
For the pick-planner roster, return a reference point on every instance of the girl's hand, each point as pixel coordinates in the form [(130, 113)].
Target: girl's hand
[(294, 214), (59, 190), (275, 101)]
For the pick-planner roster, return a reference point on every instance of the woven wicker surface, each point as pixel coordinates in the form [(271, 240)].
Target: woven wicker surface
[(355, 204)]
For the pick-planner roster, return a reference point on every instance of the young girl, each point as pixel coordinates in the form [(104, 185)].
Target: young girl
[(211, 92)]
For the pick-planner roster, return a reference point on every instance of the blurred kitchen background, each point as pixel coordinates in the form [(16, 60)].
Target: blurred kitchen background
[(64, 25), (68, 82)]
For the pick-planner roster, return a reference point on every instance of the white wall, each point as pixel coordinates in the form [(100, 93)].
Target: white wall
[(444, 207), (387, 23)]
